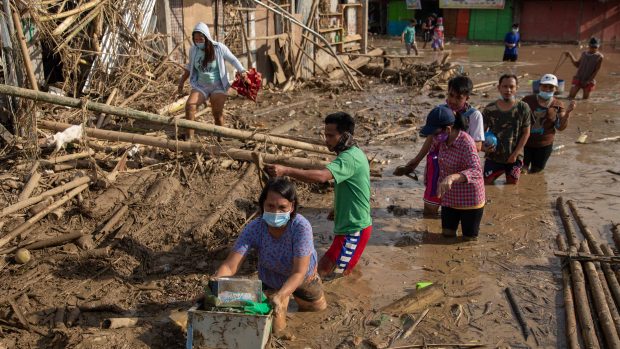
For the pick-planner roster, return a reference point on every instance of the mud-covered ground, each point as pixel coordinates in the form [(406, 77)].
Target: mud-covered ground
[(164, 256)]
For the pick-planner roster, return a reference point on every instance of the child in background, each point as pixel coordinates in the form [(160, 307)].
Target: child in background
[(408, 37), (548, 115), (588, 66), (459, 90), (438, 35), (509, 120), (512, 41)]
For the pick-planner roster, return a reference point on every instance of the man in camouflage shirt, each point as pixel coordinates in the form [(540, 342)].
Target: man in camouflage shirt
[(509, 120)]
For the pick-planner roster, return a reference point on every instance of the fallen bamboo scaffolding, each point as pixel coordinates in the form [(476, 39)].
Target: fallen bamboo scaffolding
[(603, 311), (30, 186), (193, 147), (582, 306), (35, 199), (565, 218), (587, 257), (140, 115), (34, 219), (278, 10), (569, 305)]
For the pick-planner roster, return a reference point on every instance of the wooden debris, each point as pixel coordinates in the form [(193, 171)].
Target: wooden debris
[(518, 313)]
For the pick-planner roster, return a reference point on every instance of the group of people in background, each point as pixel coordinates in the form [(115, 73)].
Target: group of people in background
[(515, 136), (432, 31)]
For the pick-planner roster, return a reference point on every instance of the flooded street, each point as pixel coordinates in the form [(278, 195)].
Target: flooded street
[(517, 239)]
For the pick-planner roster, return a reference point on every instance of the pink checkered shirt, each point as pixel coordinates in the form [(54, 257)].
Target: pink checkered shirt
[(461, 157)]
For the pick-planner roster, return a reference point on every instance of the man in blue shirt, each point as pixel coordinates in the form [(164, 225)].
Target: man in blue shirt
[(512, 41)]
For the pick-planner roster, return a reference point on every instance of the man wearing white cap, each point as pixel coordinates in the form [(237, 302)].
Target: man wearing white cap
[(548, 115)]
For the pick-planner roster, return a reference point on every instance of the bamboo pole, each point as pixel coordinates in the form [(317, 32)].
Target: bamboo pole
[(55, 241), (68, 157), (17, 21), (108, 101), (600, 303), (30, 186), (77, 10), (34, 219), (141, 115), (587, 257), (582, 306), (569, 306), (587, 233), (609, 253), (192, 147), (35, 199), (565, 218)]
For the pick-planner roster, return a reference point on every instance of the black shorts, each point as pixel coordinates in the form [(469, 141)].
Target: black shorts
[(469, 219), (310, 291), (510, 58), (536, 157)]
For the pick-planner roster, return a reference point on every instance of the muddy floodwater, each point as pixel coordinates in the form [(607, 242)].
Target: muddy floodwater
[(518, 231)]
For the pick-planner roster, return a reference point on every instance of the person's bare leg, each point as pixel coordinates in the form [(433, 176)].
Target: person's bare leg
[(217, 106), (586, 93), (573, 92), (318, 305), (449, 233), (195, 99), (415, 49)]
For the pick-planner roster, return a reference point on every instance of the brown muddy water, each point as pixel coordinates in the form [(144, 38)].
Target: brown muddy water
[(518, 231)]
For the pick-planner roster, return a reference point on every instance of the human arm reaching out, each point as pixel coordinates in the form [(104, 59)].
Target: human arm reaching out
[(309, 176), (297, 277), (413, 163)]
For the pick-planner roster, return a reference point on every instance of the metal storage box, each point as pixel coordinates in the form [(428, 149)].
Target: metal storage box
[(212, 329)]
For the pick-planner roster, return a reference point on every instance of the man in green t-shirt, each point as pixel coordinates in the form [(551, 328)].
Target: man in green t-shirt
[(351, 173), (408, 37)]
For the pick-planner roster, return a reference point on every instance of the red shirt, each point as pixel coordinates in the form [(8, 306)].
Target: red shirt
[(461, 157)]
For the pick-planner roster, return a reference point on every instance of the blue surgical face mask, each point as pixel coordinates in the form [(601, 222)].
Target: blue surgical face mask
[(200, 45), (545, 95), (276, 219)]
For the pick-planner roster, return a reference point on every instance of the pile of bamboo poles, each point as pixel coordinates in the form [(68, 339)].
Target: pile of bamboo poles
[(591, 287)]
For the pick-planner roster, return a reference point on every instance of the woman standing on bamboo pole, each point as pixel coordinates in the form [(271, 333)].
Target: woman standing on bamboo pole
[(207, 75)]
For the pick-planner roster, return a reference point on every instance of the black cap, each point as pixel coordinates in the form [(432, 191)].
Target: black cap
[(594, 42), (438, 118)]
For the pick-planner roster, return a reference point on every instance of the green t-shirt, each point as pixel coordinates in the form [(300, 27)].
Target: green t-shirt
[(352, 191), (209, 74), (507, 127), (409, 34)]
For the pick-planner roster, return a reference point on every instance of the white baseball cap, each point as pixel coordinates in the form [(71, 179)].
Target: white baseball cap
[(549, 79)]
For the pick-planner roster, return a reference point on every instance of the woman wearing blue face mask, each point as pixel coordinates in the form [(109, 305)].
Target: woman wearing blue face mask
[(548, 115), (207, 75), (287, 260)]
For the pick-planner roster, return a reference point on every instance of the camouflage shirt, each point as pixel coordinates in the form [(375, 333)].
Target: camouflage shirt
[(507, 127)]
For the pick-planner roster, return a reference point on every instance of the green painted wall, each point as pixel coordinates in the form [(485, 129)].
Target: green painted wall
[(490, 25), (398, 16)]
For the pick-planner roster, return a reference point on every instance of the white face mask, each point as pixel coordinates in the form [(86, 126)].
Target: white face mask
[(515, 31)]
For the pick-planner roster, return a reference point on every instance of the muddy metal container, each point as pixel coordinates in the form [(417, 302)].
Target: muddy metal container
[(212, 329)]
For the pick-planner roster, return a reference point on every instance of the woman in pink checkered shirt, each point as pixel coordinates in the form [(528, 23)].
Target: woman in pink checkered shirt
[(461, 184)]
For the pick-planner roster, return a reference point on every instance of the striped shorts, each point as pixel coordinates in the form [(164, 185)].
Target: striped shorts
[(345, 252)]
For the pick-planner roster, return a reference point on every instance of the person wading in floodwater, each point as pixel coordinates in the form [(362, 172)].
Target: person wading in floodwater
[(207, 75), (351, 172), (548, 115)]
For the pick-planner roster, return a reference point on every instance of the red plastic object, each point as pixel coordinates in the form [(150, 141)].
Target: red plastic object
[(249, 86)]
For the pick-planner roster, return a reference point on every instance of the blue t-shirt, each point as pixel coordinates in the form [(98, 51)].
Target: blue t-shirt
[(511, 38), (275, 256)]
